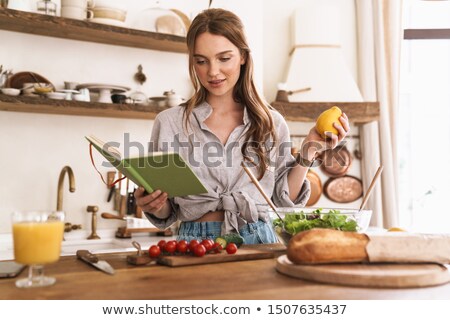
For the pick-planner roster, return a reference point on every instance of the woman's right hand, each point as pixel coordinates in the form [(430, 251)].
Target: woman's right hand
[(154, 202), (314, 143)]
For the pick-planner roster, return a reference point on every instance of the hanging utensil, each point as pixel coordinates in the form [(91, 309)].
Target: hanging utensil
[(283, 235), (139, 76), (35, 79), (260, 189), (369, 191), (283, 95), (343, 189)]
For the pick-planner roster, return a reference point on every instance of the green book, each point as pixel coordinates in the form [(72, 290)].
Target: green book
[(165, 171)]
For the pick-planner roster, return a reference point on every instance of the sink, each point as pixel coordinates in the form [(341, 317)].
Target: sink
[(70, 247), (72, 244), (76, 240)]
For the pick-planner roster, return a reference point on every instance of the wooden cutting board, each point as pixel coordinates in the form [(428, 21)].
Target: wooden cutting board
[(368, 275), (242, 254)]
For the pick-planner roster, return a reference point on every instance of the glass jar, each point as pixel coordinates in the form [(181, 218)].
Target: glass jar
[(47, 7)]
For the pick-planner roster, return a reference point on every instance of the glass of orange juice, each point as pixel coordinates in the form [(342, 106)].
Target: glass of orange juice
[(37, 237)]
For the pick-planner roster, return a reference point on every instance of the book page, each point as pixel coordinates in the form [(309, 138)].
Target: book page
[(105, 146)]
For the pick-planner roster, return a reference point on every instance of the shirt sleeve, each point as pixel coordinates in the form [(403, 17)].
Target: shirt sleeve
[(157, 144), (163, 223), (284, 162)]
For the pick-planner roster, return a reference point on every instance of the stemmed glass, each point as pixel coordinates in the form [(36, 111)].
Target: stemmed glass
[(37, 237)]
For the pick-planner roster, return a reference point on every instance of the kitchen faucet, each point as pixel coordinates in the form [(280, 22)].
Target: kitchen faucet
[(59, 200)]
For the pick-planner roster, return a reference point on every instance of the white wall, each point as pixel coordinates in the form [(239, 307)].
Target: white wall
[(277, 35), (35, 147)]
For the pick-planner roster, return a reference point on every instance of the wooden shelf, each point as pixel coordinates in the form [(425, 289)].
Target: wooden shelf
[(357, 112), (57, 27), (76, 108)]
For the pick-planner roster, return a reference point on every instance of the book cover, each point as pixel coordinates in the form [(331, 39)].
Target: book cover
[(165, 171)]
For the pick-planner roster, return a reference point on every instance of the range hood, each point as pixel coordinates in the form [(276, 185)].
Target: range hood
[(316, 60)]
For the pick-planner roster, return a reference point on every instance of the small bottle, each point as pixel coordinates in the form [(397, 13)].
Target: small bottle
[(46, 7)]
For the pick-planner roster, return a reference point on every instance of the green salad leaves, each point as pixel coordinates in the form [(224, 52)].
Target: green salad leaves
[(333, 219)]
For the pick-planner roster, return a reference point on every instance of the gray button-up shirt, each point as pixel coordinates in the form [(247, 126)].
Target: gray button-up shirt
[(219, 168)]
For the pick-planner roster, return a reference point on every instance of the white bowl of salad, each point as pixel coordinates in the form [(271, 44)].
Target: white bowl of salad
[(295, 220)]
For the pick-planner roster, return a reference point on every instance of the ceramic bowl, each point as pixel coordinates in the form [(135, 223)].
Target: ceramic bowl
[(118, 98), (116, 4), (43, 88), (158, 101), (28, 88), (302, 219), (56, 95), (79, 97), (109, 13), (11, 91), (70, 85)]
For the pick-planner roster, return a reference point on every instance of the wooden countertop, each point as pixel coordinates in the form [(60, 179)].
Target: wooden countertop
[(253, 279)]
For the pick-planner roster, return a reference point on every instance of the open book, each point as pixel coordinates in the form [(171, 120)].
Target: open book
[(165, 171)]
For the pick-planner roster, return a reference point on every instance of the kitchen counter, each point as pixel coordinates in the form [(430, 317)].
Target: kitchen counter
[(252, 279)]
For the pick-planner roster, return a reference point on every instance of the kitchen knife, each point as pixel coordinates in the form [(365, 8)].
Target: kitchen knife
[(93, 260)]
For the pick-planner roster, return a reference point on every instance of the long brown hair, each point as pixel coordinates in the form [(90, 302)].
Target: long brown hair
[(261, 130)]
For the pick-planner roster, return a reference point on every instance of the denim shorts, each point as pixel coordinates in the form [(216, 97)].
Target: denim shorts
[(253, 233)]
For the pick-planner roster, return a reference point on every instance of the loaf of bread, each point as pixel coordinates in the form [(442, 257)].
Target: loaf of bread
[(327, 246)]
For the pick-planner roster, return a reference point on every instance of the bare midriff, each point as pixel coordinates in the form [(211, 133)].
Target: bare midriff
[(212, 216)]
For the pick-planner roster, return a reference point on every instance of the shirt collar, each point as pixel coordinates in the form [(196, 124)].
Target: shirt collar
[(204, 110)]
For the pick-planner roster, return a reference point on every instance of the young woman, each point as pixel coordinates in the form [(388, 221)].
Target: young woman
[(224, 123)]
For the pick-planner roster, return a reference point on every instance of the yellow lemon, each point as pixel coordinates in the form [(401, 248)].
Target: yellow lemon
[(326, 119), (396, 229)]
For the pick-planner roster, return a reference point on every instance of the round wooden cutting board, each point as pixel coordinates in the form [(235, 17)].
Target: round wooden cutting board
[(343, 189), (368, 275), (316, 187)]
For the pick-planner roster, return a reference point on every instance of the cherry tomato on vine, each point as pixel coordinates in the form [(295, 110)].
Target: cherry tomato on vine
[(199, 250), (207, 244), (182, 246), (161, 244), (154, 251), (170, 247), (193, 244), (231, 248), (217, 247)]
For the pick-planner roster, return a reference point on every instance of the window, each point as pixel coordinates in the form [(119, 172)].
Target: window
[(424, 117)]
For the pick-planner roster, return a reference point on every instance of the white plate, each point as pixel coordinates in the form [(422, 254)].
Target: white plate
[(170, 24), (68, 91), (11, 91), (111, 22), (159, 20), (100, 86), (56, 95)]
